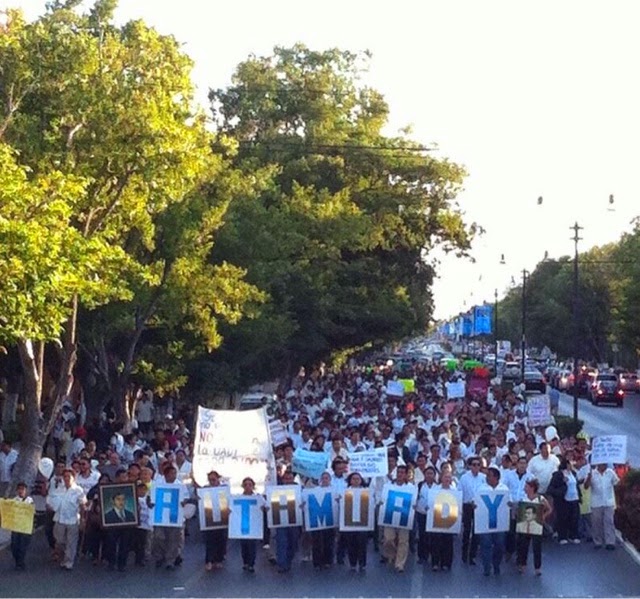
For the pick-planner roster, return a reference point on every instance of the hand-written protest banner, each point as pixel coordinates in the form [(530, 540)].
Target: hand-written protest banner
[(236, 444), (309, 463), (455, 390), (17, 516), (319, 508), (409, 385), (492, 511), (357, 510), (609, 449), (246, 518), (445, 511), (278, 433), (539, 410), (395, 388), (213, 504), (283, 503), (397, 509), (167, 505), (369, 463)]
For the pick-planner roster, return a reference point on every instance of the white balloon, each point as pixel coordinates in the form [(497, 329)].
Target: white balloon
[(551, 433), (46, 467)]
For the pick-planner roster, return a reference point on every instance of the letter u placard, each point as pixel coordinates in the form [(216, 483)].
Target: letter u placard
[(357, 510)]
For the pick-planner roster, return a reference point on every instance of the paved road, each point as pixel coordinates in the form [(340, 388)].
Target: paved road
[(610, 420), (568, 571)]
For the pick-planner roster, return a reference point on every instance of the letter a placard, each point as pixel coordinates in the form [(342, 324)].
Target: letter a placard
[(397, 506)]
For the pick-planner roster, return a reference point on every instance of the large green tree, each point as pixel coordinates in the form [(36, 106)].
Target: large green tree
[(341, 238), (102, 153)]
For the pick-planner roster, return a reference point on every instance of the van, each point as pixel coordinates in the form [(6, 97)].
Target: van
[(251, 401)]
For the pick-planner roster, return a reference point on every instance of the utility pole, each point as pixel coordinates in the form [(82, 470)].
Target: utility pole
[(523, 345), (576, 326)]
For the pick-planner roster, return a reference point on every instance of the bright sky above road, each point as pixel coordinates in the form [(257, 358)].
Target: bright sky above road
[(534, 98)]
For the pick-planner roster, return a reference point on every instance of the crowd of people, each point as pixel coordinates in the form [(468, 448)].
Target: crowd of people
[(465, 444)]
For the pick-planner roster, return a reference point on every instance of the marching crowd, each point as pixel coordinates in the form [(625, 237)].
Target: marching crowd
[(431, 443)]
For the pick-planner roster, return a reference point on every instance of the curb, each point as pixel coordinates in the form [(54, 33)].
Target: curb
[(629, 548)]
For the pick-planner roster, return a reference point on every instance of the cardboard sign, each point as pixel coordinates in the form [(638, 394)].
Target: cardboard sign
[(409, 385), (17, 516), (455, 390), (357, 510), (283, 503), (320, 508), (395, 388), (278, 433), (246, 518), (539, 410), (397, 509), (609, 449), (234, 443), (309, 463), (492, 512), (445, 511), (213, 507), (370, 463), (167, 509)]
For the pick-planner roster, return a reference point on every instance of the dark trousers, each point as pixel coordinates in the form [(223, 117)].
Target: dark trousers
[(266, 531), (322, 543), (117, 546), (469, 539), (139, 540), (48, 529), (95, 540), (510, 544), (442, 550), (286, 546), (215, 546), (341, 550), (19, 545), (568, 519), (425, 539), (492, 549), (522, 543), (357, 548), (248, 550)]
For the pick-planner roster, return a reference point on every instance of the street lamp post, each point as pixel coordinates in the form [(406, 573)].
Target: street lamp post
[(576, 327), (523, 346)]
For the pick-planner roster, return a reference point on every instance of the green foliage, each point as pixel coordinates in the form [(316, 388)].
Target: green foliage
[(568, 427)]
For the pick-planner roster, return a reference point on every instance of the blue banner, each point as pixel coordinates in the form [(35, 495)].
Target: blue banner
[(482, 319), (467, 325), (309, 463)]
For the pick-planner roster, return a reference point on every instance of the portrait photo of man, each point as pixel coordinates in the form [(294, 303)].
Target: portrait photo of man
[(529, 516), (118, 505)]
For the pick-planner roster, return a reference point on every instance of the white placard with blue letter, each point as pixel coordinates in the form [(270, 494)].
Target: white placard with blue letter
[(397, 509), (492, 511), (320, 508), (167, 508), (246, 517)]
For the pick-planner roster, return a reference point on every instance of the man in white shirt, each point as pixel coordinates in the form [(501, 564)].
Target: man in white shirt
[(67, 506), (470, 481), (396, 540), (87, 478), (542, 466), (602, 481), (8, 458)]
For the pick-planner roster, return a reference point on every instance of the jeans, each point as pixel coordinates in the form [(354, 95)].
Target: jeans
[(357, 548), (568, 519), (322, 543), (248, 551), (286, 546), (492, 548), (19, 545)]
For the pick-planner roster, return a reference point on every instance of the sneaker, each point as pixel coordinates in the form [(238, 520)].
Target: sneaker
[(538, 572), (266, 546), (208, 566), (564, 542), (575, 541), (250, 569)]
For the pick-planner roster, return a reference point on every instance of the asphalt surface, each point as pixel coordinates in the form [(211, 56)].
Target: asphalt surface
[(568, 571)]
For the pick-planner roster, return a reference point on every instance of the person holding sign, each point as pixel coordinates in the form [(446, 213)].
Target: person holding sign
[(442, 544), (215, 540), (529, 530), (323, 540), (20, 541), (248, 546), (356, 541), (601, 481)]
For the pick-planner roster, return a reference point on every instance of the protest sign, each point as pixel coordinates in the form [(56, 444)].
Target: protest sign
[(369, 463), (17, 516), (278, 433), (309, 463), (395, 388), (397, 509), (492, 511), (529, 519), (234, 443), (283, 506), (167, 508), (445, 511), (213, 507), (246, 518), (609, 449), (409, 385), (357, 510), (319, 508), (455, 390), (539, 410)]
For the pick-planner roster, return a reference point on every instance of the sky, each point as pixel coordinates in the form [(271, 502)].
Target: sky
[(533, 98)]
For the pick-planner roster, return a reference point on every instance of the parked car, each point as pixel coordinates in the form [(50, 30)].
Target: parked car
[(534, 381), (606, 388), (629, 382)]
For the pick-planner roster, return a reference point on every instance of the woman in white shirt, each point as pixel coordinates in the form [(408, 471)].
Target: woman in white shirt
[(602, 481)]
